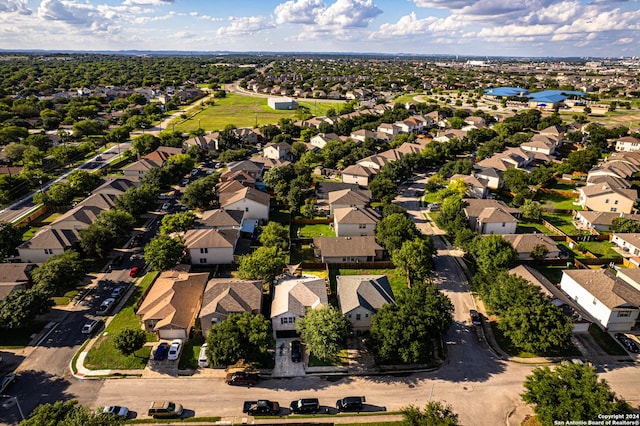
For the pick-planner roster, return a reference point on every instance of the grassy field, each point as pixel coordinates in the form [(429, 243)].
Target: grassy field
[(243, 111), (312, 231), (303, 253), (606, 342), (341, 360), (562, 222), (552, 273), (104, 355), (556, 201), (531, 227), (190, 354), (601, 248)]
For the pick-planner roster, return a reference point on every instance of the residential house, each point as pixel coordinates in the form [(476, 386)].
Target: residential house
[(322, 139), (375, 161), (254, 203), (355, 221), (611, 301), (282, 103), (347, 249), (225, 296), (250, 167), (240, 176), (358, 174), (277, 151), (207, 143), (540, 144), (491, 216), (220, 219), (620, 164), (211, 246), (510, 157), (415, 147), (450, 134), (628, 242), (628, 144), (292, 297), (115, 186), (46, 243), (150, 161), (476, 188), (348, 198), (389, 129), (15, 276), (604, 198), (171, 306), (360, 135), (600, 221), (360, 296), (581, 319), (493, 178), (524, 244)]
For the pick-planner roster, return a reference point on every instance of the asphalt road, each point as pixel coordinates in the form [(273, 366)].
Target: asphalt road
[(21, 207)]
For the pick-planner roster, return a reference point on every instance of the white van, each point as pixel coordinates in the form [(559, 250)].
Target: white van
[(203, 362)]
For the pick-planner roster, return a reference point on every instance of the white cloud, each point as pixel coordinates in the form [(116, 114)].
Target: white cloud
[(556, 13), (444, 4), (406, 25), (246, 25), (14, 6), (349, 14), (510, 32), (625, 40), (299, 11), (147, 2)]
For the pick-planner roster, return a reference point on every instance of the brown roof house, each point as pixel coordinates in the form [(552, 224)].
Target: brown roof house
[(348, 198), (292, 297), (46, 243), (355, 221), (358, 174), (491, 216), (208, 246), (253, 202), (150, 161), (360, 296), (610, 300), (601, 221), (14, 276), (226, 296), (220, 219), (605, 198), (347, 249), (525, 243), (172, 305)]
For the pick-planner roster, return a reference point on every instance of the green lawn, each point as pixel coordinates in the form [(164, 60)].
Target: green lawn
[(606, 342), (341, 360), (601, 248), (302, 253), (190, 354), (431, 197), (506, 345), (561, 186), (243, 111), (531, 227), (312, 231), (103, 354), (397, 278), (562, 222), (68, 297), (552, 273), (557, 201), (29, 233)]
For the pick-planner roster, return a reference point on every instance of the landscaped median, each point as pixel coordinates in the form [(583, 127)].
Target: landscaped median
[(103, 354)]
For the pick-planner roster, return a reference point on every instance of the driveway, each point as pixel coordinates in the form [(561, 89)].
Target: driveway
[(284, 367)]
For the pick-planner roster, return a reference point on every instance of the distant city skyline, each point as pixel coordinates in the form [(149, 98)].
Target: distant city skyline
[(554, 28)]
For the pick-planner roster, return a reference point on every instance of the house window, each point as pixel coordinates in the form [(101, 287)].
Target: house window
[(48, 251), (595, 302), (349, 316), (246, 209), (366, 315), (503, 224), (203, 260), (614, 209), (616, 202), (204, 250), (362, 226), (624, 314), (606, 201), (215, 320), (357, 317)]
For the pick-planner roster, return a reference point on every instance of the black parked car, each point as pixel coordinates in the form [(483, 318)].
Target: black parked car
[(161, 351), (296, 351), (305, 406), (627, 343), (350, 403)]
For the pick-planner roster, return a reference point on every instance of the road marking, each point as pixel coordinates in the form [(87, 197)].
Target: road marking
[(47, 335)]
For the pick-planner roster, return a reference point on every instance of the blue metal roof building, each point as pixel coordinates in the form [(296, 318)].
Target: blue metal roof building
[(553, 96), (506, 92)]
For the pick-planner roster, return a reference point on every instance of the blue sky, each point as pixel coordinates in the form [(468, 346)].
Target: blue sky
[(596, 28)]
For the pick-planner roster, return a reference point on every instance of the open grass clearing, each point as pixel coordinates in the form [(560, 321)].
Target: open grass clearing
[(606, 342), (562, 221), (600, 248), (312, 231), (533, 227), (243, 111), (67, 298), (557, 201), (302, 253), (341, 360)]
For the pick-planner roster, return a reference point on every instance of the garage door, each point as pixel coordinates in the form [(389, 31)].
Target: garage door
[(172, 334), (285, 334)]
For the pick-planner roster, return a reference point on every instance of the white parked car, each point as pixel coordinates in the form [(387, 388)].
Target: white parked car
[(174, 349), (106, 305), (203, 362), (116, 410), (89, 326)]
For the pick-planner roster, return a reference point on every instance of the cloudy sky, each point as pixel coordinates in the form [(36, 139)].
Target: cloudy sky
[(600, 28)]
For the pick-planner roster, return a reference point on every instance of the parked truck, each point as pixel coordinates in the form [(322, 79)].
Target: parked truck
[(261, 407), (242, 378)]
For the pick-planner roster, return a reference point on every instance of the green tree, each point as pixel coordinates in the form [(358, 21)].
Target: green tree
[(129, 340), (163, 252), (537, 327), (96, 240), (144, 144), (177, 222), (392, 231), (492, 253), (201, 194), (87, 128), (118, 135), (241, 336), (263, 264), (83, 182), (452, 217), (405, 331), (539, 252), (10, 238), (382, 188), (138, 199), (20, 307), (570, 392), (324, 330), (517, 180), (531, 210), (59, 273), (68, 413), (274, 235), (435, 413), (60, 194), (625, 225), (415, 257)]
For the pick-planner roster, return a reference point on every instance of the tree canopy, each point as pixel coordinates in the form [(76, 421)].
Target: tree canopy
[(263, 264), (415, 257), (570, 392), (163, 252), (129, 340), (393, 230), (324, 330), (406, 331), (435, 413), (241, 336), (59, 273), (274, 235), (492, 253), (69, 413)]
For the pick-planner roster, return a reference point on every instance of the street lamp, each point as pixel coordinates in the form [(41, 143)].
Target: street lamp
[(17, 403)]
